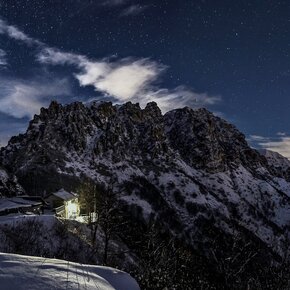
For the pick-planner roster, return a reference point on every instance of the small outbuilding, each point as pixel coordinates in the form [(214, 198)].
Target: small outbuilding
[(14, 205), (64, 203)]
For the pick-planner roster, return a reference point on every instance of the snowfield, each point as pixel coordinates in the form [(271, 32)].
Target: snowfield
[(19, 272)]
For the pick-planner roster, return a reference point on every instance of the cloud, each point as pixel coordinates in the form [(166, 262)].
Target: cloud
[(281, 146), (128, 10), (114, 2), (133, 10), (123, 79), (14, 33), (19, 98), (180, 97), (257, 138), (3, 60), (49, 55), (281, 134), (127, 79)]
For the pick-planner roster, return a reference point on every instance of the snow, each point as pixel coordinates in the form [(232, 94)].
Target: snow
[(275, 159), (124, 171), (15, 202), (64, 195), (47, 220), (19, 272), (134, 200), (282, 184)]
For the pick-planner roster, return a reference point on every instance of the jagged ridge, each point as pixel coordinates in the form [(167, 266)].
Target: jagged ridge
[(185, 169)]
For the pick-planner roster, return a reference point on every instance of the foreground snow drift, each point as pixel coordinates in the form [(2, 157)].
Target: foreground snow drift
[(26, 272)]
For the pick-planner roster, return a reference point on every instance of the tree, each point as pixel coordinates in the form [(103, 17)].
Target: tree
[(100, 204), (109, 218), (90, 195)]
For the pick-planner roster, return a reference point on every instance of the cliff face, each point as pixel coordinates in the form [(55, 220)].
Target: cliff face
[(185, 169), (9, 185), (127, 132), (279, 165)]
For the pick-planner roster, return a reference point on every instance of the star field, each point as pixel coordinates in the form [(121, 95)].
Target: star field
[(237, 51)]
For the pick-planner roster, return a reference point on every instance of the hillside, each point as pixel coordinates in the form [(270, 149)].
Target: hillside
[(9, 185), (188, 172)]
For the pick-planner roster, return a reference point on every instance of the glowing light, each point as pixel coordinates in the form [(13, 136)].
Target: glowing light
[(72, 209)]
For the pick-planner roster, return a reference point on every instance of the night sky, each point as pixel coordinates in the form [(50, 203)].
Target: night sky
[(232, 57)]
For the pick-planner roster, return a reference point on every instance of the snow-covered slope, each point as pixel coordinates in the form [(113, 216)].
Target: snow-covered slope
[(279, 164), (185, 169), (9, 185), (19, 272), (52, 237), (275, 159)]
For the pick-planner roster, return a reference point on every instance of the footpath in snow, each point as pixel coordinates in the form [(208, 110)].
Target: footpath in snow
[(19, 272)]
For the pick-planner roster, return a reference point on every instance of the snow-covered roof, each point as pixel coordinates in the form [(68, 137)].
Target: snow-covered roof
[(15, 202), (65, 195), (26, 272)]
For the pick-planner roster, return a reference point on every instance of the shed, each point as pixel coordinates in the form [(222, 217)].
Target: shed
[(19, 205), (64, 203)]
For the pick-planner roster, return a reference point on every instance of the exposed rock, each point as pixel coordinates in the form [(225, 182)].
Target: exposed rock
[(279, 164), (185, 169), (9, 185)]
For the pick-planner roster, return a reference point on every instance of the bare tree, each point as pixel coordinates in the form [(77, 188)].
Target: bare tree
[(90, 195), (101, 207), (109, 218)]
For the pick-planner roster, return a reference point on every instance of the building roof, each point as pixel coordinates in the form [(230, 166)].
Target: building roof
[(33, 198), (16, 202), (65, 195)]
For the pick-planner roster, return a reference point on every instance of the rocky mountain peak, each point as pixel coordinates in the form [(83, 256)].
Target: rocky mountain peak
[(53, 109), (207, 141), (202, 140), (185, 169), (153, 110)]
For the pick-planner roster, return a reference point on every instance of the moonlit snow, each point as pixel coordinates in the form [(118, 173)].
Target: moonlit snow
[(19, 272)]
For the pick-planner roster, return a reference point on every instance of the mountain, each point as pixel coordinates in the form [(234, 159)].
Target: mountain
[(189, 171), (9, 185), (279, 164)]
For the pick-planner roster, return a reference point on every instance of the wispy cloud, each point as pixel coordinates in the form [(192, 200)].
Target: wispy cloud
[(280, 144), (281, 134), (258, 138), (53, 56), (114, 2), (127, 79), (19, 98), (122, 79), (127, 7), (133, 10), (180, 97), (3, 60), (14, 33), (22, 98)]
